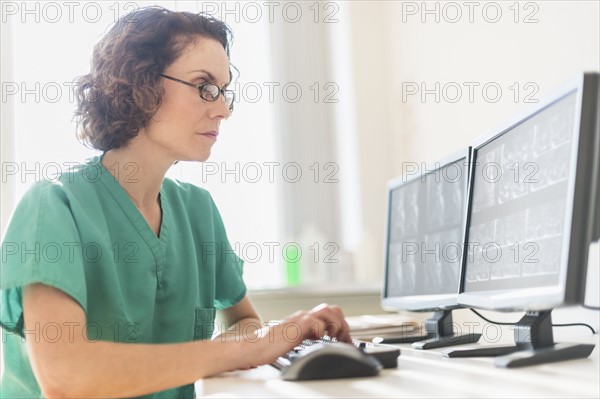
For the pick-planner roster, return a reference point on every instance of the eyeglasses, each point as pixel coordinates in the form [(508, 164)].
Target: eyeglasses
[(208, 91)]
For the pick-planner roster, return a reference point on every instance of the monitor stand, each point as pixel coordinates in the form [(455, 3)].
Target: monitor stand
[(534, 345), (440, 333)]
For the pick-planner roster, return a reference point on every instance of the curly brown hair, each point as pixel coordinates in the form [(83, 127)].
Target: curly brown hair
[(122, 91)]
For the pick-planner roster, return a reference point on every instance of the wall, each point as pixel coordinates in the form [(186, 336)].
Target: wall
[(396, 53), (6, 125), (525, 50)]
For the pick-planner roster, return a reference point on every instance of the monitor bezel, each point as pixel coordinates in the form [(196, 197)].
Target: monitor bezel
[(576, 235), (596, 170), (425, 302)]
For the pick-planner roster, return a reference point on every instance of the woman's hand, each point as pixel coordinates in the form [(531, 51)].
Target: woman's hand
[(273, 341)]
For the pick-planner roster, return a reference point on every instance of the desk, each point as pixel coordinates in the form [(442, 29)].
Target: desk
[(426, 374)]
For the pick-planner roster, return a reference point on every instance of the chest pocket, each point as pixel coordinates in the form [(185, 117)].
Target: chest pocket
[(204, 324)]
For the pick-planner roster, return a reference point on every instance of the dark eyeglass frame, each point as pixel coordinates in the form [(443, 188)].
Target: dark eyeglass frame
[(208, 88)]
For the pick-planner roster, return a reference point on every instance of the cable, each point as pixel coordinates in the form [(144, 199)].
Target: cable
[(575, 324), (591, 307), (553, 325), (491, 321)]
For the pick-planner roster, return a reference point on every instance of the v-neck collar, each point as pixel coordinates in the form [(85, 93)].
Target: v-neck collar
[(156, 244)]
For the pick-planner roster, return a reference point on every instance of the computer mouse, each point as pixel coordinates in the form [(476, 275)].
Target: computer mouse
[(331, 360)]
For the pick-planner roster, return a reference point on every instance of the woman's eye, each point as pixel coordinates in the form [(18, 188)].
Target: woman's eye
[(212, 90)]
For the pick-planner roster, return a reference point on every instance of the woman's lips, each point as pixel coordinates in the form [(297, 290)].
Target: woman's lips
[(213, 135)]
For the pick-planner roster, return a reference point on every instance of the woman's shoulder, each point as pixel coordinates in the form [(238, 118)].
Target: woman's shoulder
[(74, 178)]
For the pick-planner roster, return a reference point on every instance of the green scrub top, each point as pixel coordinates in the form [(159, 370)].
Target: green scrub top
[(82, 234)]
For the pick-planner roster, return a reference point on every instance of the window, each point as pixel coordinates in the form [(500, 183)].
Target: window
[(52, 44), (284, 126)]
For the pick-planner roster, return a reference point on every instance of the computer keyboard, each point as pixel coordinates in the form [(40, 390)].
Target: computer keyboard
[(327, 358)]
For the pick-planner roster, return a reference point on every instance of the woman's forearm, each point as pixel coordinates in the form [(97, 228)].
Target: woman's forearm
[(107, 369)]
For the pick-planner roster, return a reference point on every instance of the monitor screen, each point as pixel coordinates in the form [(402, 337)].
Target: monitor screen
[(526, 223), (425, 234)]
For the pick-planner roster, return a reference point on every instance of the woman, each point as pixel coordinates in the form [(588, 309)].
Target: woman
[(118, 296)]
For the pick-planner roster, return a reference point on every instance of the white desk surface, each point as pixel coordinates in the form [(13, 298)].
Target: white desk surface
[(427, 374)]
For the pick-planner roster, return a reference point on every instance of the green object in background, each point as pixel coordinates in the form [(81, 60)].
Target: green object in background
[(291, 257)]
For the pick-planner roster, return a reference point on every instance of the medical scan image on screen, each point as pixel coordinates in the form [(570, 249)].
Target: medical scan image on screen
[(426, 232), (518, 210)]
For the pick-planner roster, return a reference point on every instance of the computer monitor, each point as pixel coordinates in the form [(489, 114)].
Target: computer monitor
[(529, 228), (424, 236)]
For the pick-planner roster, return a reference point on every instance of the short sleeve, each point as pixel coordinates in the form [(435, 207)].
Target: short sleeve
[(41, 245), (229, 285)]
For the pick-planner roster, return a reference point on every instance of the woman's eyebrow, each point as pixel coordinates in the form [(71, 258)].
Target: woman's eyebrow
[(210, 76)]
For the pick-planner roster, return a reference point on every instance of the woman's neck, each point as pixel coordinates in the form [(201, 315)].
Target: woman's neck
[(139, 171)]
